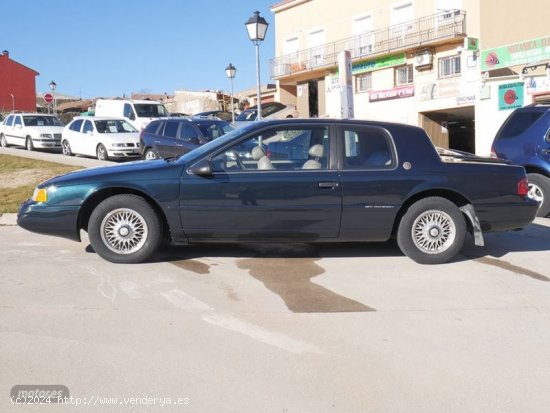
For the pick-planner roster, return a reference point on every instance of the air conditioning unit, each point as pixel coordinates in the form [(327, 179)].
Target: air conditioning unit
[(423, 60)]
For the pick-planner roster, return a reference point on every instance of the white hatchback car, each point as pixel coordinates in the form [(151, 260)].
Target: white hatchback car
[(102, 137)]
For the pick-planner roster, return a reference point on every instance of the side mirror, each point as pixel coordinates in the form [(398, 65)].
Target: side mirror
[(89, 132), (19, 126), (201, 168), (132, 116)]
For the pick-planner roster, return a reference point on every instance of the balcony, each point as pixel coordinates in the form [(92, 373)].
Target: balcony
[(429, 30)]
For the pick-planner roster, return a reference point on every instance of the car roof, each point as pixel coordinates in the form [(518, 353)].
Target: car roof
[(98, 117)]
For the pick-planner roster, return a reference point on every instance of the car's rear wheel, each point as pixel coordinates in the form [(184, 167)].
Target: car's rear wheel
[(28, 144), (102, 154), (432, 231), (3, 141), (539, 189), (66, 148), (125, 229), (150, 154)]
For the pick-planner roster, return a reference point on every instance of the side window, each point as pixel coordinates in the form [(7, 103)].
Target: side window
[(188, 133), (152, 127), (9, 121), (88, 127), (367, 148), (17, 121), (285, 148), (76, 125), (128, 111), (171, 129)]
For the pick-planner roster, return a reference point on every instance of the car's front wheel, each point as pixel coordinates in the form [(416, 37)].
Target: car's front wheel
[(125, 229), (66, 147), (28, 144), (432, 231), (3, 141), (150, 154), (539, 189), (102, 154)]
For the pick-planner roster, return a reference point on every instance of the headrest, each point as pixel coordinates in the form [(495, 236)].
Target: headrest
[(316, 151), (257, 152)]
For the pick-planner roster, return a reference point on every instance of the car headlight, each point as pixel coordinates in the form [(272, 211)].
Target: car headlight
[(46, 135), (40, 195)]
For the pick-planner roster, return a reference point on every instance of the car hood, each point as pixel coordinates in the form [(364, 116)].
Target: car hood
[(128, 174), (45, 129)]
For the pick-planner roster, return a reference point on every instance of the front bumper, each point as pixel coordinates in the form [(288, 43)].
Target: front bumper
[(47, 143), (124, 152), (59, 221)]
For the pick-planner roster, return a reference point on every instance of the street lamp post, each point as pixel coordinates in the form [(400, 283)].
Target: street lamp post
[(257, 27), (231, 71), (12, 102), (53, 85)]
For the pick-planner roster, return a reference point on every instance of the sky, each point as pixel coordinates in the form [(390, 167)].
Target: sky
[(116, 47)]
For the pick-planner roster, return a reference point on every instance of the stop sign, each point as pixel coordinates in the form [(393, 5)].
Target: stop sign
[(48, 98)]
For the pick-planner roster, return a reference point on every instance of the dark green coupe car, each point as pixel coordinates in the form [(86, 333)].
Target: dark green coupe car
[(349, 180)]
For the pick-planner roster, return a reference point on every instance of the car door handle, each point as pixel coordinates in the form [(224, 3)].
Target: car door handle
[(330, 185)]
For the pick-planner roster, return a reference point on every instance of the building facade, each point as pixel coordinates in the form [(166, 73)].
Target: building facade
[(412, 61), (17, 85)]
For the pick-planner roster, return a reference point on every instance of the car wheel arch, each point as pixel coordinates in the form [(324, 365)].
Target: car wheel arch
[(456, 198), (92, 201)]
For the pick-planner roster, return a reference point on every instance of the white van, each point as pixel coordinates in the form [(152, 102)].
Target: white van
[(137, 112)]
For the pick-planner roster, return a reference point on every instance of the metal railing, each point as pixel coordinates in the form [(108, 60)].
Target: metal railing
[(427, 30)]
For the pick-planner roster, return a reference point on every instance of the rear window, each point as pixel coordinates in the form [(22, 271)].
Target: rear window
[(517, 123)]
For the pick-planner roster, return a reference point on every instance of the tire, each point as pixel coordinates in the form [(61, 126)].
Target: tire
[(28, 144), (125, 229), (3, 141), (101, 152), (432, 231), (150, 154), (66, 148), (539, 189)]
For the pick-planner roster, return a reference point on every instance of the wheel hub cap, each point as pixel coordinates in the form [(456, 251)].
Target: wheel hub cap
[(124, 231), (433, 232)]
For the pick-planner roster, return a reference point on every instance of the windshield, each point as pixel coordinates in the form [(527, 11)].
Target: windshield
[(247, 115), (214, 130), (114, 126), (41, 120), (151, 110)]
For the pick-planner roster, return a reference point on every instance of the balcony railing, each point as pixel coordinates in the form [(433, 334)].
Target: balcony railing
[(428, 30)]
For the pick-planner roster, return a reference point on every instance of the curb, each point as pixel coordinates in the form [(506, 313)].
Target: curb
[(8, 219)]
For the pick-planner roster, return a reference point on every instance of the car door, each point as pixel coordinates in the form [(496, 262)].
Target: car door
[(373, 187), (88, 139), (248, 197), (166, 140), (17, 130), (8, 131), (73, 136)]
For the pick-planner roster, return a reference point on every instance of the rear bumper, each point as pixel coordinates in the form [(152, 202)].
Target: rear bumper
[(49, 220), (509, 216)]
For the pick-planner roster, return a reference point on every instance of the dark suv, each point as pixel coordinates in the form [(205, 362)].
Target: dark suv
[(524, 139), (167, 137)]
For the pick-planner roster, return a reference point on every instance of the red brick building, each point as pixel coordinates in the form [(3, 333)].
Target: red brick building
[(17, 85)]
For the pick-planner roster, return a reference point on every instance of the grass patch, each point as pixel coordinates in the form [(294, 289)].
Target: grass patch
[(19, 176)]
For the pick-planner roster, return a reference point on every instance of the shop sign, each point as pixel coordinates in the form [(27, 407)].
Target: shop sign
[(380, 63), (516, 54), (510, 96), (388, 94)]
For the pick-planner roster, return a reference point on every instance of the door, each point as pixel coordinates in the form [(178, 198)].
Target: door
[(166, 140), (251, 196), (87, 140), (17, 130)]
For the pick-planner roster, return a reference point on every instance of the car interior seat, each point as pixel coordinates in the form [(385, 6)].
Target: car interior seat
[(258, 154), (316, 153)]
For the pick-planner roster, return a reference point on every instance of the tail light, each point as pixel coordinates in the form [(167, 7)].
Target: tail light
[(523, 187)]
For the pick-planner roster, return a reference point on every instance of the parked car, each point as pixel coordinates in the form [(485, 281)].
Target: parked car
[(102, 137), (164, 138), (31, 130), (524, 139), (270, 110), (365, 181), (136, 112), (220, 114)]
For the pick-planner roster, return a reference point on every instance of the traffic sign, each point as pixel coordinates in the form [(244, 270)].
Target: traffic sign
[(48, 98)]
